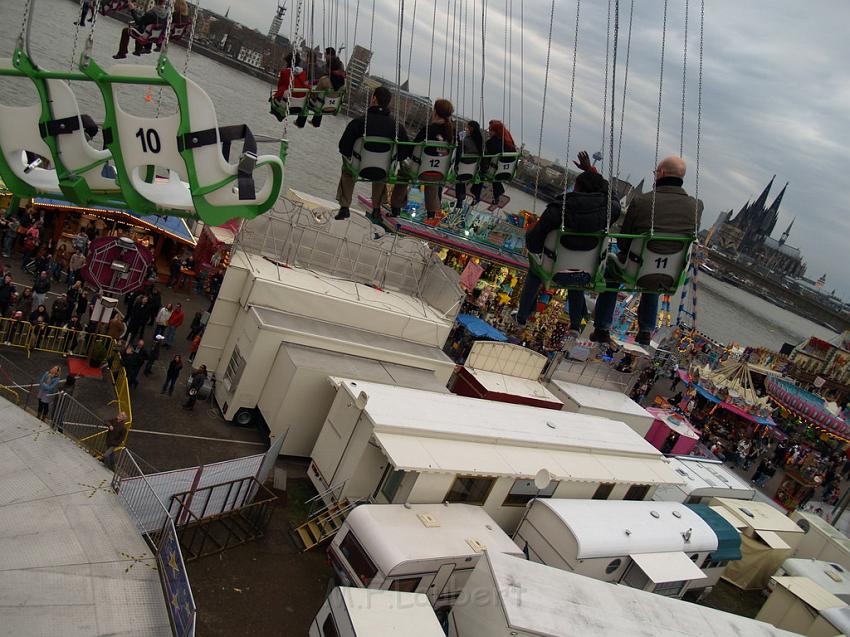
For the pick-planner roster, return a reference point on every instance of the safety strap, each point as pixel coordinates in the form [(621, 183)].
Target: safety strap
[(225, 135), (63, 126)]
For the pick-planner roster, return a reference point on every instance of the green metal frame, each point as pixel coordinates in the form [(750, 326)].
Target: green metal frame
[(610, 274), (171, 78), (487, 177), (398, 173)]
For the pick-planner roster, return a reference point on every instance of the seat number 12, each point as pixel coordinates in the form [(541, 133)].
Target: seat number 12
[(149, 139)]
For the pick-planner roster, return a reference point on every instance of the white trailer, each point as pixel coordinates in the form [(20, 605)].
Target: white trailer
[(799, 605), (276, 333), (704, 479), (768, 538), (821, 540), (507, 596), (416, 548), (832, 577), (355, 612), (397, 445), (608, 403), (653, 546)]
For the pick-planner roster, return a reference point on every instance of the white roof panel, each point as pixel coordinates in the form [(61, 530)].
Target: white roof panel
[(773, 540), (390, 613), (702, 475), (609, 528), (394, 533), (70, 555), (758, 516), (809, 592), (605, 399), (674, 566), (428, 454), (828, 575), (415, 412), (548, 601), (512, 385)]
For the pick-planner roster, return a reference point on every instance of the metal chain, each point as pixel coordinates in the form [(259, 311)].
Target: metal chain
[(164, 49), (400, 34), (543, 105), (483, 53), (354, 44), (465, 21), (22, 35), (472, 64), (522, 69), (77, 35), (699, 113), (505, 70), (510, 63), (684, 84), (371, 40), (625, 87), (570, 118), (446, 49), (294, 39), (191, 37), (605, 83), (613, 108), (410, 55), (658, 123), (453, 58)]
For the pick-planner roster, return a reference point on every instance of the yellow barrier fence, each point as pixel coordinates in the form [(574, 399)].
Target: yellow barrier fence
[(65, 341), (15, 333)]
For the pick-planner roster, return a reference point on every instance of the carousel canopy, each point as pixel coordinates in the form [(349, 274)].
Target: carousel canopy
[(807, 405)]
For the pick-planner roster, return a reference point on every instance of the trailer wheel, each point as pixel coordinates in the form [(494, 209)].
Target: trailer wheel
[(244, 417)]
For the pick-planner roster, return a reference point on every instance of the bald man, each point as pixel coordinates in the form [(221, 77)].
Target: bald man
[(676, 213)]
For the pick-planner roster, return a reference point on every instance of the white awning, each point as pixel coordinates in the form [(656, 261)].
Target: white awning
[(667, 567), (772, 539), (428, 454)]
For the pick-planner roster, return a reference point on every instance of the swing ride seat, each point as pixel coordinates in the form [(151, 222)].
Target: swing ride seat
[(111, 6), (372, 159), (654, 262), (430, 162), (467, 167), (179, 29), (19, 135), (297, 102), (324, 102), (500, 167), (585, 267), (189, 144), (149, 34)]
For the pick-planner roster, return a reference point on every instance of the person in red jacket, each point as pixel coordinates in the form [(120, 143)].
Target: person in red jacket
[(174, 321), (292, 76)]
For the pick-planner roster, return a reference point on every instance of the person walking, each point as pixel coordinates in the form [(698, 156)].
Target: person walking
[(132, 362), (115, 328), (48, 386), (162, 317), (153, 356), (172, 374), (196, 343), (174, 321), (198, 378), (116, 431), (40, 289)]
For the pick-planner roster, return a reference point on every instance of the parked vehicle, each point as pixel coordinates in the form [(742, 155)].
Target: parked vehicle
[(354, 612)]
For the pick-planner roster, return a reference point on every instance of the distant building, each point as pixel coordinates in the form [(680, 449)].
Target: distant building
[(358, 64), (822, 358), (747, 235), (274, 29), (248, 56)]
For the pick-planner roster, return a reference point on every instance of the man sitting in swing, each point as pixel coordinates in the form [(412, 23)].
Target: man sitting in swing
[(676, 213), (157, 15), (332, 79), (585, 209)]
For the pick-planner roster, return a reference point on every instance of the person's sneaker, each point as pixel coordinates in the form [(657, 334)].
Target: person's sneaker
[(600, 336), (119, 57), (343, 213), (643, 338), (395, 212), (515, 320), (316, 122), (301, 122)]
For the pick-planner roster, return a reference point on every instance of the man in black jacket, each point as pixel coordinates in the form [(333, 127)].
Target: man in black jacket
[(585, 209), (378, 122)]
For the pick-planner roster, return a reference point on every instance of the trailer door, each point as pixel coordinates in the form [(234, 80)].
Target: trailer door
[(439, 583)]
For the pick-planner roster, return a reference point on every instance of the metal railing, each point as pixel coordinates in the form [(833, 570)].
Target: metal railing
[(66, 341), (81, 425), (15, 333)]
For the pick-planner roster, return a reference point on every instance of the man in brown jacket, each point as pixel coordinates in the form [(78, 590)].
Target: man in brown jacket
[(676, 213), (116, 429)]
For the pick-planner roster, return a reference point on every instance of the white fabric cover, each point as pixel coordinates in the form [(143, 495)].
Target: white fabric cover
[(467, 167), (570, 260), (373, 160), (657, 270), (431, 163)]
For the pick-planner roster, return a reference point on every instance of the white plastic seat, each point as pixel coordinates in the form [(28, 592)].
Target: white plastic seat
[(333, 102), (467, 168), (556, 259), (75, 152), (150, 34), (179, 29), (430, 162), (659, 265), (372, 158), (501, 167)]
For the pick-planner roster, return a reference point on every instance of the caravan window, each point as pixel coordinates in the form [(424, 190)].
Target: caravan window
[(524, 490), (391, 484), (356, 556), (234, 369), (406, 585), (669, 589), (603, 491), (637, 492), (329, 627), (470, 490)]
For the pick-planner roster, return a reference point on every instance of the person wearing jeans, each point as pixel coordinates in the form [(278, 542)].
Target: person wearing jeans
[(575, 298)]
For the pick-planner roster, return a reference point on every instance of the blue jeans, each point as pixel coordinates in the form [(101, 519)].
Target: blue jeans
[(531, 288), (8, 243), (647, 311), (170, 331)]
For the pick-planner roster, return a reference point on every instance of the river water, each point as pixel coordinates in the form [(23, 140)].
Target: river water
[(725, 313)]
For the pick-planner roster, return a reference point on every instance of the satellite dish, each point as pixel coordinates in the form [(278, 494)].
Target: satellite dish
[(361, 400), (542, 479)]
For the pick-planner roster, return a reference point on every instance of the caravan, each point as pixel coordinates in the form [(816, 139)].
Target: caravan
[(832, 577), (608, 403), (416, 548), (704, 479), (395, 445), (354, 612), (821, 540), (654, 546)]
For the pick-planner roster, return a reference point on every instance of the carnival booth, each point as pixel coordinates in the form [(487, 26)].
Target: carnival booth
[(810, 409), (671, 432), (468, 329), (214, 245)]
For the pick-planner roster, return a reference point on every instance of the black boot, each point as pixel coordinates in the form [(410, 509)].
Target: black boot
[(301, 121), (343, 213), (395, 212), (643, 338), (600, 336)]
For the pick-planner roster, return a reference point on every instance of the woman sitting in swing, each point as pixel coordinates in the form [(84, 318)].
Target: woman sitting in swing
[(499, 140), (585, 209), (472, 145), (157, 15), (291, 76), (439, 129)]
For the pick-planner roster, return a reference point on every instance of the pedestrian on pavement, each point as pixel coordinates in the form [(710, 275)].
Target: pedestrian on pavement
[(172, 374), (174, 321), (116, 431), (48, 387), (116, 327), (137, 318), (40, 289), (132, 362), (173, 272), (196, 343), (198, 378), (162, 319), (153, 356)]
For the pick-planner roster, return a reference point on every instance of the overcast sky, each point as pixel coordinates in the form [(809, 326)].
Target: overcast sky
[(776, 90)]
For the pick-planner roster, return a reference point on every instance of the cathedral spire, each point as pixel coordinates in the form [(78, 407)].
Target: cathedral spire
[(775, 205), (787, 232), (760, 203)]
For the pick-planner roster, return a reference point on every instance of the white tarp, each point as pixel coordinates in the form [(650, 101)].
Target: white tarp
[(667, 567)]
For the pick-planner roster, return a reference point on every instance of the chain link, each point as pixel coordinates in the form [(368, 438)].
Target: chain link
[(684, 84), (570, 118), (658, 122), (613, 109), (77, 35), (625, 87), (191, 36), (543, 106), (605, 84)]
